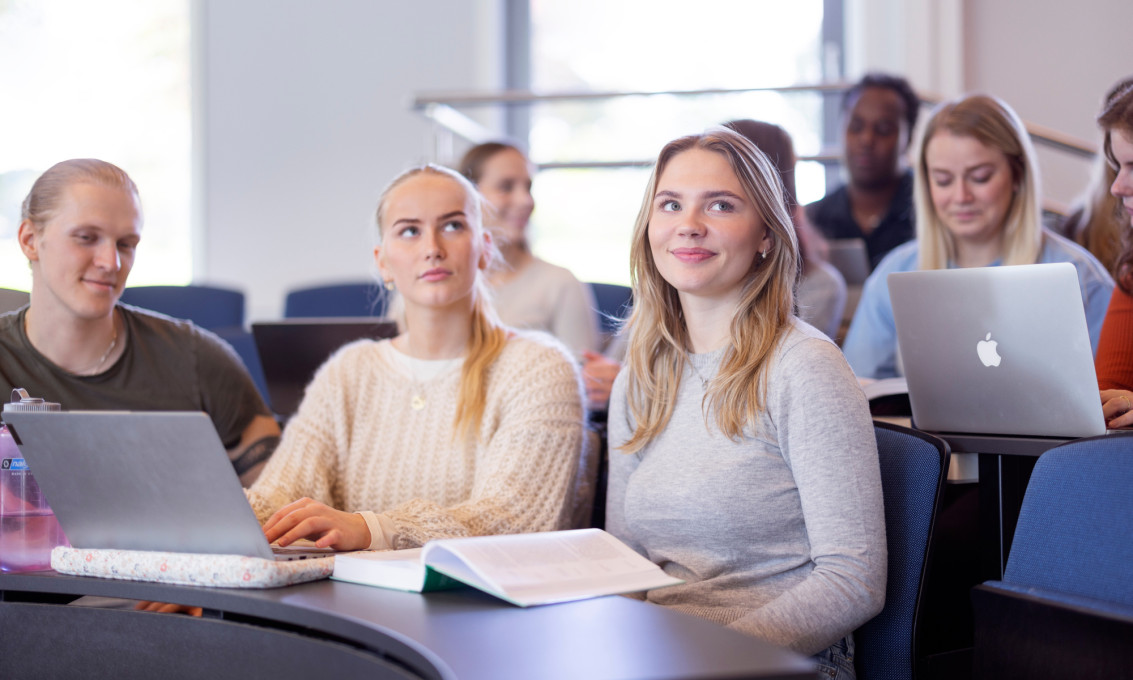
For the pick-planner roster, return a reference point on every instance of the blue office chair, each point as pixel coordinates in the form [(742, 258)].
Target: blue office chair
[(242, 341), (614, 302), (207, 306), (363, 298), (1065, 605), (11, 300), (913, 466)]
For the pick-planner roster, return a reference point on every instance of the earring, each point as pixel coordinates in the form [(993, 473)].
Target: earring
[(389, 284), (763, 255)]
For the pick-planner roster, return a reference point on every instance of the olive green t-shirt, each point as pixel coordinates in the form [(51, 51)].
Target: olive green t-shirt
[(168, 365)]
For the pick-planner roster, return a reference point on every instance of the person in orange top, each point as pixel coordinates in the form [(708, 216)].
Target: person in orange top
[(1114, 361)]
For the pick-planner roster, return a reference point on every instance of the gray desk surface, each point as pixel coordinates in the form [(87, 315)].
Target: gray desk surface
[(452, 634)]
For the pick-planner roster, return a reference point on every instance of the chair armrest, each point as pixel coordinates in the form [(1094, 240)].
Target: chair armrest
[(1034, 633)]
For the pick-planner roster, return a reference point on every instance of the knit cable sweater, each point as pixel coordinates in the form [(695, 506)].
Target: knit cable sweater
[(358, 444)]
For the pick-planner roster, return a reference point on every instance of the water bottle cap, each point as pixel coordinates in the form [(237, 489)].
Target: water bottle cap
[(21, 401)]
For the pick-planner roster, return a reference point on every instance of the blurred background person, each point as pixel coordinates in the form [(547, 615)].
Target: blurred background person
[(977, 196), (879, 114), (529, 292), (821, 295), (1115, 348), (1097, 221)]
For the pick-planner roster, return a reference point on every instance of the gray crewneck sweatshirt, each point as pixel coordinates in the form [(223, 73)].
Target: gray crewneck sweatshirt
[(779, 535)]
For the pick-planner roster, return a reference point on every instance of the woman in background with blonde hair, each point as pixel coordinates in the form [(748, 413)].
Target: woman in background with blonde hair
[(977, 198), (742, 455), (456, 427)]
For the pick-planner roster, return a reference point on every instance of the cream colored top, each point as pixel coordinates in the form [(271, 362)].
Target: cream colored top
[(359, 444)]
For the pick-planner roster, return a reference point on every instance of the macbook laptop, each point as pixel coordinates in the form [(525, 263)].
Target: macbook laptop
[(158, 480), (293, 349), (997, 350)]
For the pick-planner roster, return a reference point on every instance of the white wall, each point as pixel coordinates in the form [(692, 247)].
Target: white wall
[(1052, 63), (1051, 60), (303, 116)]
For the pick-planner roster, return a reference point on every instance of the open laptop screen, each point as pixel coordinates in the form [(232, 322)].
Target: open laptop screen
[(292, 350), (997, 350)]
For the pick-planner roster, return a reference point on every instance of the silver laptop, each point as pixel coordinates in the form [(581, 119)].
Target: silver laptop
[(293, 349), (997, 350), (157, 480), (850, 258)]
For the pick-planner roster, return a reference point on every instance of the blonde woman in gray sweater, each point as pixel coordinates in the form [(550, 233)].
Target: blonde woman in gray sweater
[(742, 457)]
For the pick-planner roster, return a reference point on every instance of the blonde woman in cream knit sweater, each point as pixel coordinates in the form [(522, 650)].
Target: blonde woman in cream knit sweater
[(456, 427)]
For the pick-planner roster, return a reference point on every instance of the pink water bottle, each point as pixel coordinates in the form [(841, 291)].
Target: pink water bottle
[(28, 528)]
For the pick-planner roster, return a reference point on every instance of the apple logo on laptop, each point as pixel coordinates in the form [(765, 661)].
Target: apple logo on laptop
[(986, 349)]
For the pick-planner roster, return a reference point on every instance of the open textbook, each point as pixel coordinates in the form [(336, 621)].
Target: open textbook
[(524, 569)]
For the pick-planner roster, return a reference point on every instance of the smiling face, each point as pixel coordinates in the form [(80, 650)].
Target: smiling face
[(82, 254), (876, 137), (972, 186), (1121, 142), (505, 182), (704, 232), (431, 248)]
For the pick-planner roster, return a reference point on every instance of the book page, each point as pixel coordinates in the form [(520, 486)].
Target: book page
[(875, 389), (546, 567)]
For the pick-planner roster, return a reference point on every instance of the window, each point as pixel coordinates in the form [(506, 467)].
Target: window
[(106, 80), (584, 216)]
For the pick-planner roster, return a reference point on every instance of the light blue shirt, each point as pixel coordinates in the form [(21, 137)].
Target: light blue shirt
[(871, 343)]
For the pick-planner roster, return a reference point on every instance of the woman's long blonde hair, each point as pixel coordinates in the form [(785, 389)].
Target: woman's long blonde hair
[(993, 123), (658, 337), (488, 335)]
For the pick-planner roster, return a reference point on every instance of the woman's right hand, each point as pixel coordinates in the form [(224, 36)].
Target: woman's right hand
[(327, 527), (1117, 406), (598, 373)]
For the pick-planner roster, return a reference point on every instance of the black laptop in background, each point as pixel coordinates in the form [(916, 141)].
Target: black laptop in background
[(292, 350)]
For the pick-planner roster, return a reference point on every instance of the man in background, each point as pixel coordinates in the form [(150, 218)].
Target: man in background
[(879, 113)]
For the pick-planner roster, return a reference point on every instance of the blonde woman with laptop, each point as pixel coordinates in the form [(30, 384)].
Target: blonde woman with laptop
[(1115, 349), (977, 198), (456, 427), (742, 455)]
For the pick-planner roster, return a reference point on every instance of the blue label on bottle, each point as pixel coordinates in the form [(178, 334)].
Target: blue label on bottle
[(13, 464)]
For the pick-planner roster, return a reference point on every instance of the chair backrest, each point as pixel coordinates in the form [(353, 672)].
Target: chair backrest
[(913, 466), (361, 298), (207, 306), (242, 341), (614, 302), (11, 300), (1074, 533)]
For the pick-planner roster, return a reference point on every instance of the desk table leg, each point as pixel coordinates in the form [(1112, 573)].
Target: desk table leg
[(1003, 483), (992, 553)]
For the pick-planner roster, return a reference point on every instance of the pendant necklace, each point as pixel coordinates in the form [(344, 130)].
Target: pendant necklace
[(418, 400), (422, 372), (703, 380)]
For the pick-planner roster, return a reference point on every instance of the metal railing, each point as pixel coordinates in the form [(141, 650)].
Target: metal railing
[(442, 109)]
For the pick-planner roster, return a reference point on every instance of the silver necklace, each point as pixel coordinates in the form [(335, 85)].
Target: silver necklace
[(703, 380), (106, 354)]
